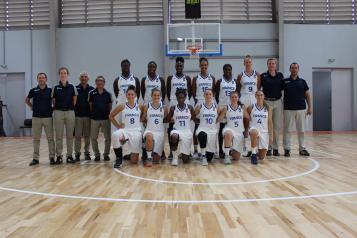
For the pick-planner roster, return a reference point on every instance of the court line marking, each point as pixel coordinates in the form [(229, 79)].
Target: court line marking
[(108, 199), (316, 167), (325, 153)]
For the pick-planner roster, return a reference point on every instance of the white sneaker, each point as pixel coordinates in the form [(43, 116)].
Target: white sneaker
[(174, 162), (204, 161), (227, 160), (196, 156)]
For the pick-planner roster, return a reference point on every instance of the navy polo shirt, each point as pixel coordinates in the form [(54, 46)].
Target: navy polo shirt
[(41, 102), (294, 94), (272, 85), (100, 104), (82, 106), (63, 96)]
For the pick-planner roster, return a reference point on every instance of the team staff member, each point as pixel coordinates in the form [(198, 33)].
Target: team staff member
[(64, 97), (82, 125), (272, 84), (41, 107), (100, 104), (296, 95)]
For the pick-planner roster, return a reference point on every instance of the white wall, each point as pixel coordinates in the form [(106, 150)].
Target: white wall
[(312, 45)]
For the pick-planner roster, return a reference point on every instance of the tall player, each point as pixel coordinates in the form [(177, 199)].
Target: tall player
[(261, 127), (200, 83), (233, 136), (182, 113), (207, 130), (129, 130), (248, 81), (150, 81), (175, 81), (154, 113), (223, 90)]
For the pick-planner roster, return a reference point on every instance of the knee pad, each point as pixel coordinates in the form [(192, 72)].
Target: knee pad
[(202, 139)]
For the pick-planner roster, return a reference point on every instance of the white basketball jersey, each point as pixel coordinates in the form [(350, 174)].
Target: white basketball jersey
[(259, 118), (249, 83), (150, 84), (155, 117), (203, 83), (176, 83), (235, 118), (208, 117), (123, 84), (182, 118), (226, 88), (132, 117)]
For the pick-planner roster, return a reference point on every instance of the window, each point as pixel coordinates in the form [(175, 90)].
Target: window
[(24, 14), (314, 11)]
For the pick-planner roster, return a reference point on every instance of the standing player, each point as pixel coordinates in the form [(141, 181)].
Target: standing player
[(207, 129), (233, 136), (154, 113), (64, 96), (200, 83), (182, 113), (175, 81), (41, 107), (151, 81), (82, 112), (261, 127), (122, 82), (223, 90), (248, 81), (130, 130)]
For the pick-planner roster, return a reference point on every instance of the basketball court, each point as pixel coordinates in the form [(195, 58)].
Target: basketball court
[(294, 196)]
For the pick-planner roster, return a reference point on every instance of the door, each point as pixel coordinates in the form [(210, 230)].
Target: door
[(12, 93), (322, 118)]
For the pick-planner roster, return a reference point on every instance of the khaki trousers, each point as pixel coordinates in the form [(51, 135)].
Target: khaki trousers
[(299, 117), (37, 125), (277, 111), (94, 132), (82, 129), (64, 119)]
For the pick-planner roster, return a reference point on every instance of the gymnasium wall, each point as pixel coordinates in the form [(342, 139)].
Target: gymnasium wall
[(313, 45)]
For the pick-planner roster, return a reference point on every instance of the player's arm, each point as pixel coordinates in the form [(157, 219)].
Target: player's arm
[(246, 119), (189, 87), (118, 109), (197, 109), (239, 83), (143, 116), (221, 114), (194, 88), (169, 116), (168, 87), (116, 87), (143, 89), (137, 87), (213, 85), (163, 89), (166, 111), (216, 89), (259, 81), (193, 114)]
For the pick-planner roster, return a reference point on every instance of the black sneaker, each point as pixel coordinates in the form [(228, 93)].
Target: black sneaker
[(59, 160), (106, 158), (254, 159), (276, 153), (221, 155), (34, 162), (304, 152), (97, 158), (287, 153), (118, 163), (269, 153), (70, 160), (52, 161), (78, 159), (249, 154), (87, 157)]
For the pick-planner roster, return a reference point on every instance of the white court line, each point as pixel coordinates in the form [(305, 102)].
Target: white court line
[(316, 167), (108, 199)]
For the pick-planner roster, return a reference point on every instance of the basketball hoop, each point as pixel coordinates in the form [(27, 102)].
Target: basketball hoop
[(194, 50)]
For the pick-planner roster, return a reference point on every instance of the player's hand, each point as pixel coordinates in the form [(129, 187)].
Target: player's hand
[(309, 111), (121, 125)]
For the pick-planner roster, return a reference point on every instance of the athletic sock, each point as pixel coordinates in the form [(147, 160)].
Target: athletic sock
[(203, 151), (227, 150), (175, 154), (195, 148), (254, 150), (149, 156)]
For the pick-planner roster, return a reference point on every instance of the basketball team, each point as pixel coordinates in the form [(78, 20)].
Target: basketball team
[(218, 115)]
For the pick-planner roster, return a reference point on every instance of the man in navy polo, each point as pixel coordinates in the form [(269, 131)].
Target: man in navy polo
[(100, 103), (272, 84), (40, 102), (82, 124), (64, 96), (296, 95)]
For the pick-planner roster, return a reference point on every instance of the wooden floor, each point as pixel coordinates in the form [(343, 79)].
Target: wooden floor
[(280, 197)]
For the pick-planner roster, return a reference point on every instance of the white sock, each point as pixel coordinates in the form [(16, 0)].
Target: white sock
[(203, 151), (175, 154), (254, 150), (149, 154), (195, 147), (227, 150)]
